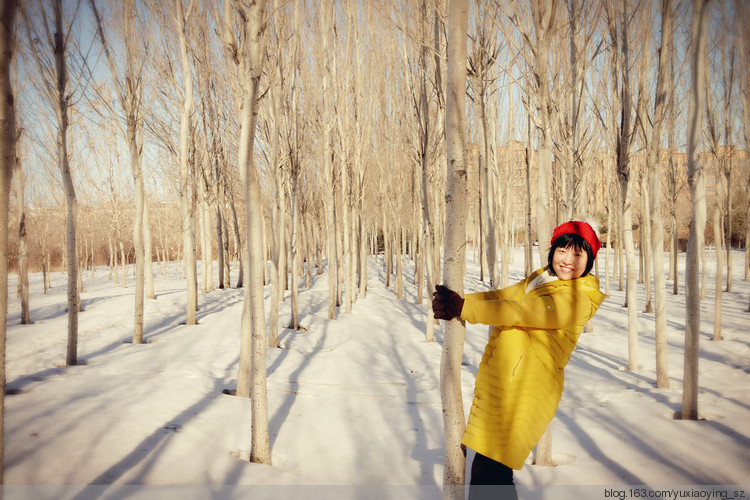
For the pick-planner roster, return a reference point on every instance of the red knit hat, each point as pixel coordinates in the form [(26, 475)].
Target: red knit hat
[(582, 229)]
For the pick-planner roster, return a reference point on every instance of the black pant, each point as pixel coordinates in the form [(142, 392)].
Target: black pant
[(491, 480)]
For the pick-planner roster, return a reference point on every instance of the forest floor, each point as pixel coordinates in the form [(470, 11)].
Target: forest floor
[(353, 403)]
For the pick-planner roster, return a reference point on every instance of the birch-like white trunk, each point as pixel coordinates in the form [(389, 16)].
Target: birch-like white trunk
[(719, 278), (129, 96), (7, 164), (743, 10), (138, 242), (61, 108), (188, 236), (455, 249), (543, 14), (654, 179), (427, 237), (529, 157), (673, 189), (277, 212), (696, 180), (148, 253), (625, 176), (487, 172), (326, 24), (23, 252), (253, 31), (295, 246), (249, 56)]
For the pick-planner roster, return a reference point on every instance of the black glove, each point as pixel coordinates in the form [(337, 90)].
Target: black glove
[(446, 304)]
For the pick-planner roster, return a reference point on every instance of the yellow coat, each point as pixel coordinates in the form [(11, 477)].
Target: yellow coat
[(520, 379)]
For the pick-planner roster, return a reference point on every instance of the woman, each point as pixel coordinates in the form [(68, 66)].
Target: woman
[(537, 323)]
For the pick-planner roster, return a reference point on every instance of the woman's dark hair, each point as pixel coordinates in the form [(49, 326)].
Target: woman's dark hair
[(571, 240)]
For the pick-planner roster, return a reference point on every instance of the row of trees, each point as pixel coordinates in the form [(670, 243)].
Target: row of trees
[(286, 132)]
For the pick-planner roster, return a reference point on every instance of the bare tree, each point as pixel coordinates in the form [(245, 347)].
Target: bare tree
[(743, 10), (248, 55), (619, 18), (728, 76), (718, 108), (327, 24), (484, 53), (7, 164), (278, 220), (426, 124), (545, 21), (654, 176), (673, 179), (455, 248), (180, 16), (55, 81), (698, 223), (23, 248), (294, 144), (130, 95)]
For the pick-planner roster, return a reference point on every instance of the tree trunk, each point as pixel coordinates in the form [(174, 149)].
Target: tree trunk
[(529, 244), (488, 189), (624, 142), (646, 243), (698, 223), (326, 25), (253, 350), (277, 212), (130, 99), (147, 251), (718, 239), (138, 244), (294, 245), (743, 11), (240, 246), (543, 455), (123, 265), (654, 179), (7, 164), (455, 249), (188, 236), (672, 176), (61, 106), (23, 252), (428, 233), (543, 14), (219, 240)]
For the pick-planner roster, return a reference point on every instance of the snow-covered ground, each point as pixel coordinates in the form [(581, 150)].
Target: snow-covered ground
[(353, 403)]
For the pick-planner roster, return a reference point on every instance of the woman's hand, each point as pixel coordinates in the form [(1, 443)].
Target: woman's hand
[(446, 304)]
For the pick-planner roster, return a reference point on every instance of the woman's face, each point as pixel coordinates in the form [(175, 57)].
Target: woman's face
[(569, 263)]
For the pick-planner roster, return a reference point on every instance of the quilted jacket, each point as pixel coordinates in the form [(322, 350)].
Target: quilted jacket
[(520, 379)]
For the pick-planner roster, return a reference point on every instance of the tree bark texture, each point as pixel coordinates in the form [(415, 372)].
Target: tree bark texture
[(188, 236), (61, 107), (254, 30), (654, 179), (455, 249), (8, 160), (697, 185)]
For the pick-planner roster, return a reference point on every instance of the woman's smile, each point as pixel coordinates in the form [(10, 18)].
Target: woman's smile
[(569, 263)]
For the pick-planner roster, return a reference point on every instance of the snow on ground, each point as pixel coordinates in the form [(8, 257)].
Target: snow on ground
[(352, 402)]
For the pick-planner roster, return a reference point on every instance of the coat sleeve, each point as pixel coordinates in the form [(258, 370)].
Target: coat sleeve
[(506, 293), (561, 309)]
